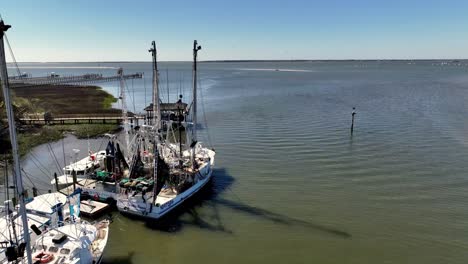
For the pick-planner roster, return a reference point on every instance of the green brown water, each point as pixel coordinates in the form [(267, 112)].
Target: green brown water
[(292, 185)]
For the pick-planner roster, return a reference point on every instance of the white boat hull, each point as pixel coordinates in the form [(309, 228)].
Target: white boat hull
[(135, 205)]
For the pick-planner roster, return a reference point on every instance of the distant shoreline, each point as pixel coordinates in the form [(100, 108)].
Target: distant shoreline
[(234, 61)]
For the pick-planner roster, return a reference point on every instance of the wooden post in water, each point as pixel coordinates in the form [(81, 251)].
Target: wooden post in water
[(56, 181), (352, 119), (74, 179)]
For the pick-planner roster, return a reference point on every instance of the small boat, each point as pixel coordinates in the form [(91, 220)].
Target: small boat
[(82, 169)]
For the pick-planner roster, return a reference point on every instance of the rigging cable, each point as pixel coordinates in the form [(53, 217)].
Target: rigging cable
[(39, 162), (40, 169), (144, 86), (133, 92), (128, 92), (37, 180), (44, 201), (8, 208), (6, 180), (167, 84), (13, 56), (52, 154), (204, 115)]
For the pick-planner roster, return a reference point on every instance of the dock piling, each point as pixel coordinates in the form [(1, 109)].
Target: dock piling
[(56, 181), (74, 179), (352, 119)]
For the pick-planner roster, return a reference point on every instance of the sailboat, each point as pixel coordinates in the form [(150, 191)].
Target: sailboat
[(181, 168), (75, 242)]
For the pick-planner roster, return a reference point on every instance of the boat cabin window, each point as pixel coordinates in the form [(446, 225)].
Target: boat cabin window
[(65, 251), (53, 249), (41, 247), (80, 172), (75, 252)]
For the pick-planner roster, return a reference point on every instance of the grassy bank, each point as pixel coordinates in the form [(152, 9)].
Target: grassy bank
[(36, 137), (57, 100), (69, 99), (45, 134)]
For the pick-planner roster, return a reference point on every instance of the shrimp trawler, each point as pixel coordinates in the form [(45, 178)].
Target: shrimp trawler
[(180, 165)]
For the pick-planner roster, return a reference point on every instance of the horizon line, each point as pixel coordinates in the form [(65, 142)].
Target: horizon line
[(246, 60)]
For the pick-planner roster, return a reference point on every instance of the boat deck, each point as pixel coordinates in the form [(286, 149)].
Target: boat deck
[(165, 196), (137, 204), (94, 187)]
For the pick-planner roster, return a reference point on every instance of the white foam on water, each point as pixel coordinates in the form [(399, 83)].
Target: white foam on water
[(280, 70), (207, 84), (64, 67)]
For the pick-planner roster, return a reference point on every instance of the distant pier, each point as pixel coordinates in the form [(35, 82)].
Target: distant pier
[(82, 119)]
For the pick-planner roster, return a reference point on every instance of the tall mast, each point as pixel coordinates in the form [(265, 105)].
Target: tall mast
[(167, 84), (124, 108), (196, 48), (156, 108), (14, 143), (156, 121)]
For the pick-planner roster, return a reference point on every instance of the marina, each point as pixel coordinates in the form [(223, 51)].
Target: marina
[(154, 161), (266, 146)]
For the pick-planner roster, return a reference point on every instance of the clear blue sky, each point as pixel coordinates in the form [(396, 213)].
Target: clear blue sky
[(98, 30)]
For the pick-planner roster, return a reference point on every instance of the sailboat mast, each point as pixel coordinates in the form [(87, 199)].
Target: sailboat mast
[(14, 143), (167, 84), (124, 108), (156, 121), (196, 48), (156, 107)]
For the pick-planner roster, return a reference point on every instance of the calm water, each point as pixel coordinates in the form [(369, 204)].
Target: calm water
[(292, 185)]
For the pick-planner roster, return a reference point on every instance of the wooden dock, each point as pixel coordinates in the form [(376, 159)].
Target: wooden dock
[(116, 119), (96, 190), (18, 83), (90, 208)]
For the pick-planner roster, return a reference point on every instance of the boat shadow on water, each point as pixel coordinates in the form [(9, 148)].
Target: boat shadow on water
[(193, 212), (119, 259)]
